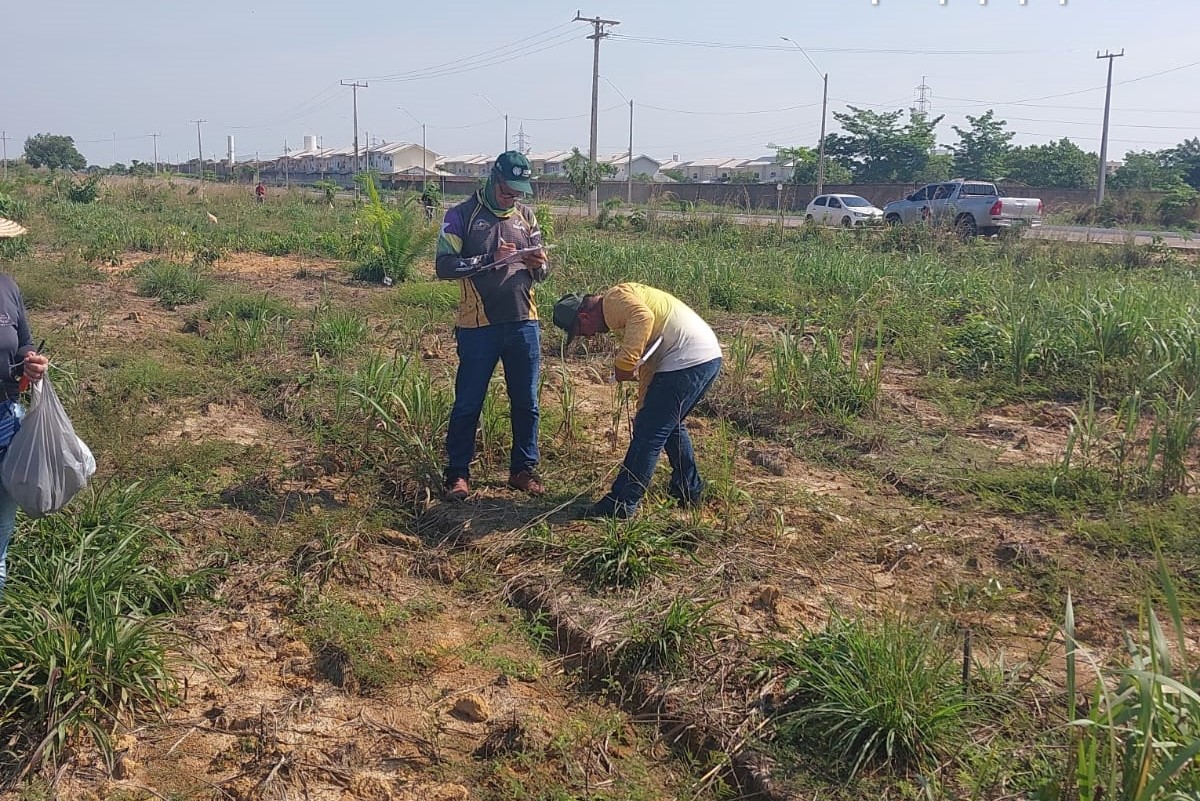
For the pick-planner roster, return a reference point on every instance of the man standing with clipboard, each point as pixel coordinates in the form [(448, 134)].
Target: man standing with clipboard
[(675, 358), (492, 245)]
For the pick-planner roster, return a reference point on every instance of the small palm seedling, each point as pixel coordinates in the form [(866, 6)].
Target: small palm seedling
[(401, 238)]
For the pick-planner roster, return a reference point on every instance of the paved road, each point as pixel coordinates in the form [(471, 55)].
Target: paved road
[(1061, 233), (1114, 236)]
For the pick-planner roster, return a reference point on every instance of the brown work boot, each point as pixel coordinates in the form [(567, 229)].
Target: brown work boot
[(526, 481), (458, 489)]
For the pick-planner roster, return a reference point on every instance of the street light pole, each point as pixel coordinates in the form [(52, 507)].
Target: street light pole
[(424, 176), (824, 110), (501, 113), (821, 147)]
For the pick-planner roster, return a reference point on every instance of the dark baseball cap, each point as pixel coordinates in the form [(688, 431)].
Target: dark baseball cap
[(514, 169), (566, 313)]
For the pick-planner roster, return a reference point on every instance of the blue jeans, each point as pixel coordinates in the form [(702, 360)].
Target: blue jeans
[(518, 345), (659, 426), (11, 413)]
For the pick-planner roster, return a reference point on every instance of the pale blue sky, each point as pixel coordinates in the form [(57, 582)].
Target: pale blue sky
[(266, 70)]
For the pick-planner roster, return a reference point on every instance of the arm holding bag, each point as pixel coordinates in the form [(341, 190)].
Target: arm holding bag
[(46, 463)]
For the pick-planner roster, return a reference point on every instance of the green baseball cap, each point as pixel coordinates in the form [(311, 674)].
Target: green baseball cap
[(566, 312), (514, 169)]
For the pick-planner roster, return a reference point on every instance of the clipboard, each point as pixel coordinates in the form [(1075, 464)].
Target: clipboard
[(515, 256)]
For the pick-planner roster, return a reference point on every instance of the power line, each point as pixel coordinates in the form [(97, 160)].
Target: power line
[(728, 113), (817, 49), (524, 43), (1079, 91), (529, 48)]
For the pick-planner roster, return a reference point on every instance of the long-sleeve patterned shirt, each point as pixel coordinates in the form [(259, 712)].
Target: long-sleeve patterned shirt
[(471, 234)]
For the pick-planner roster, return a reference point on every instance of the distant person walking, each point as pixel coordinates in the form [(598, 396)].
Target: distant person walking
[(497, 318), (260, 192), (17, 348), (675, 357)]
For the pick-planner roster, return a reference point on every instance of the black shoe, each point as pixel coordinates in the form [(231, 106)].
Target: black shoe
[(608, 508)]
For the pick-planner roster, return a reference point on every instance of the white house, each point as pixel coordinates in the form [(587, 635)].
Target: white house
[(642, 165), (710, 169), (393, 157), (470, 164), (766, 169), (549, 162)]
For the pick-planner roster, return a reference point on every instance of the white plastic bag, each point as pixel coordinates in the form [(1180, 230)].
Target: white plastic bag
[(46, 463)]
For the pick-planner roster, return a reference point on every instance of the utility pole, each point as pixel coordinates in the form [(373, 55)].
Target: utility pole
[(286, 159), (1104, 136), (114, 147), (4, 140), (354, 87), (599, 32), (629, 161), (155, 136), (200, 146)]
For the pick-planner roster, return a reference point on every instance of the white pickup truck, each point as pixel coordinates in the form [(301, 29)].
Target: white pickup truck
[(971, 207)]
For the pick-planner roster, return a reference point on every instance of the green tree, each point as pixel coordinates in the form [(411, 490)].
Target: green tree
[(1185, 157), (982, 147), (53, 151), (1059, 164), (805, 161), (940, 167), (585, 174), (878, 149), (675, 174), (1146, 170)]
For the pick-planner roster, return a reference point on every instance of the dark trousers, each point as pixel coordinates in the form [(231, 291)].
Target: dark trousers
[(658, 426), (518, 346)]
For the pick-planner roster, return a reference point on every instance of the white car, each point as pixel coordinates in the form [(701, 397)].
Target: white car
[(846, 211)]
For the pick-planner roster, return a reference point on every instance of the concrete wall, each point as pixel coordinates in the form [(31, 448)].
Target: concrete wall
[(747, 197)]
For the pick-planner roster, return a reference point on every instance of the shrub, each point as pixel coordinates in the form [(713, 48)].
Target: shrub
[(1180, 207)]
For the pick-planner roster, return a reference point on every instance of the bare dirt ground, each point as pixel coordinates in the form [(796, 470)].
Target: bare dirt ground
[(271, 718)]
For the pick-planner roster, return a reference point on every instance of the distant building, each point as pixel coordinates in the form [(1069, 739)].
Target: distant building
[(470, 164), (642, 165)]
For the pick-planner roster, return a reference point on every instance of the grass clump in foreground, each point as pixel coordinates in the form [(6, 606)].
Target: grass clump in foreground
[(873, 695), (628, 554), (666, 641), (85, 642), (174, 284)]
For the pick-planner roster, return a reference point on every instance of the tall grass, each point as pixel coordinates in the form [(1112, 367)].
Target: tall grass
[(1138, 739), (85, 639)]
